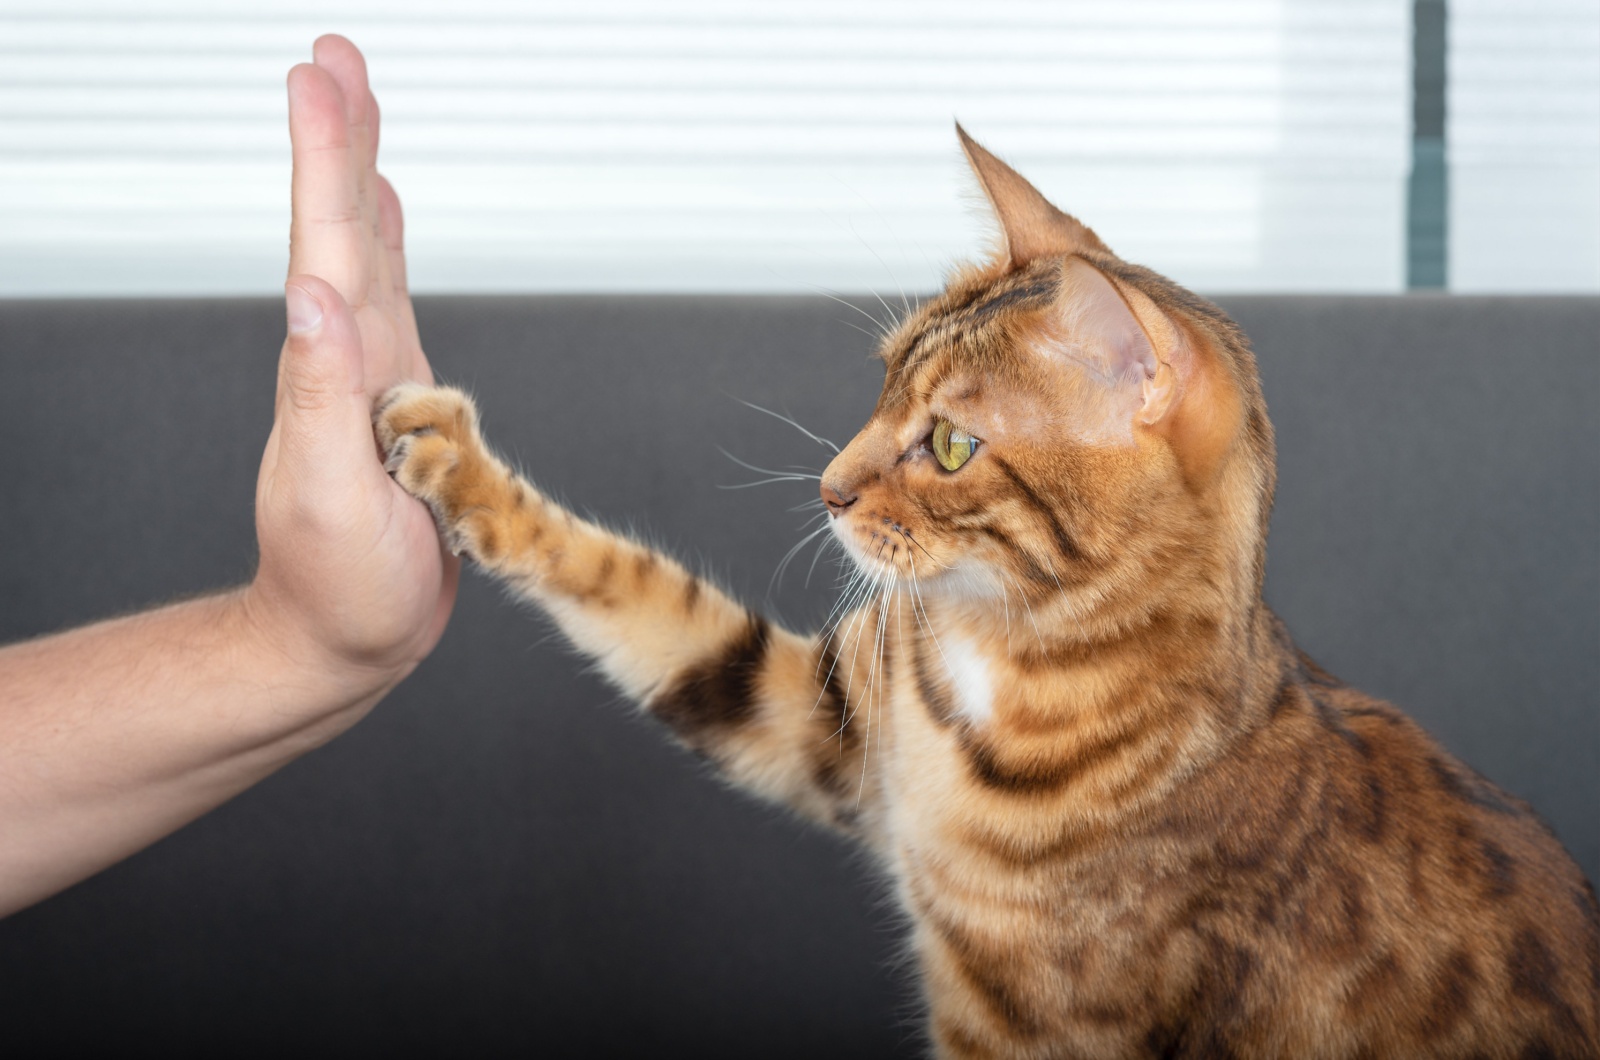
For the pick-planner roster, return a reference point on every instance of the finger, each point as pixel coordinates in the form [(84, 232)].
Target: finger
[(392, 230), (345, 62), (327, 236), (324, 416), (348, 67), (392, 235), (373, 117), (385, 276), (392, 227)]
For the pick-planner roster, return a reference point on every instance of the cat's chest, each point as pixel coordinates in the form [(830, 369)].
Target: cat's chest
[(950, 695), (970, 677), (979, 745)]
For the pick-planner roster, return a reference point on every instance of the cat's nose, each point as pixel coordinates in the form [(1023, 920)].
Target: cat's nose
[(835, 502)]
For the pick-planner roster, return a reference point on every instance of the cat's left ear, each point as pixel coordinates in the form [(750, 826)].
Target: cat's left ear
[(1032, 227)]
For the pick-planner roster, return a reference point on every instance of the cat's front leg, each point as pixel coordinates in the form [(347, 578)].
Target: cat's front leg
[(777, 711), (432, 447)]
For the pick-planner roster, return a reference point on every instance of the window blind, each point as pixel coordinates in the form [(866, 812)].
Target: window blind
[(1523, 141), (699, 145)]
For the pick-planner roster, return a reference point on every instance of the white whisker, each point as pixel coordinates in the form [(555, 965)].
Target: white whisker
[(904, 301), (791, 422), (874, 677), (825, 638), (1005, 598), (767, 470), (875, 337), (766, 482), (927, 620), (1031, 617), (777, 574), (883, 330), (818, 555)]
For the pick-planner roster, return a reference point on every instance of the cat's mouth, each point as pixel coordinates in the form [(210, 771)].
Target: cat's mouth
[(886, 550), (875, 544), (891, 554)]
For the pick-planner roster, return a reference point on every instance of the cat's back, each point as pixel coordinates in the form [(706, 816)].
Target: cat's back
[(1362, 886)]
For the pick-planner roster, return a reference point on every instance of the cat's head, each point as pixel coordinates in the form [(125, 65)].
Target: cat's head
[(1059, 422)]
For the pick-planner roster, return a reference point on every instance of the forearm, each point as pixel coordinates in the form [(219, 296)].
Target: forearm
[(772, 708), (783, 715), (114, 735)]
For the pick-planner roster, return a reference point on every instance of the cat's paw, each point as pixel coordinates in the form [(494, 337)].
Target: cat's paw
[(431, 446)]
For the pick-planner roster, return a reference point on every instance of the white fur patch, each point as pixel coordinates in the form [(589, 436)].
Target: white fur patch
[(969, 673)]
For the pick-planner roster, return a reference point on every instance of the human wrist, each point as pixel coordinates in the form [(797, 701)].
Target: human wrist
[(282, 641)]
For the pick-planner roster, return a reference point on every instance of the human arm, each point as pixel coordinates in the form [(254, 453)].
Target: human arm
[(118, 733), (113, 735)]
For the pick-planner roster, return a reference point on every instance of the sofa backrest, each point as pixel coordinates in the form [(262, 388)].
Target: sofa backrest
[(503, 857)]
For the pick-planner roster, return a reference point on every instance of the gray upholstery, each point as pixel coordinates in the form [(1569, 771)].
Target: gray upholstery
[(503, 857)]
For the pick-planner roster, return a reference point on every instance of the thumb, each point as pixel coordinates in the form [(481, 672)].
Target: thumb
[(321, 368), (324, 414)]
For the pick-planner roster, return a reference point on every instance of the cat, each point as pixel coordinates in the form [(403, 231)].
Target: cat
[(1125, 815)]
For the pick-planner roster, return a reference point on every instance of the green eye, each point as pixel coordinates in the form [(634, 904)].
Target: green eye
[(952, 445)]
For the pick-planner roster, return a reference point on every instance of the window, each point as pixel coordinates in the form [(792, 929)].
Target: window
[(1524, 145), (714, 145)]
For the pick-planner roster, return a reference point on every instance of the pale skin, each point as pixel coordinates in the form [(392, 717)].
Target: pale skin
[(116, 734)]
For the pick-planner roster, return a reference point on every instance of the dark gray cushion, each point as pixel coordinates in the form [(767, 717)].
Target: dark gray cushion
[(502, 857)]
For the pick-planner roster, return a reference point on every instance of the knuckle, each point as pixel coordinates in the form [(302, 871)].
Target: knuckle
[(308, 389)]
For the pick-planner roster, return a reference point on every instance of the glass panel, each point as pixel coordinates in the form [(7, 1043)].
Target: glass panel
[(784, 146)]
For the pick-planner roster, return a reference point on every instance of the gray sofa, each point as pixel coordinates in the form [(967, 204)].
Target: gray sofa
[(502, 858)]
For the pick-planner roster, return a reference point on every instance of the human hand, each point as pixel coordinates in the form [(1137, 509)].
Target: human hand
[(352, 578)]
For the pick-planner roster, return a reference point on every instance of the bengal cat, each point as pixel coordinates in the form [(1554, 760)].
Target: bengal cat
[(1126, 816)]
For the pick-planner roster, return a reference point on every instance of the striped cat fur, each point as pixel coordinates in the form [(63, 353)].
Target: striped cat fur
[(1125, 815)]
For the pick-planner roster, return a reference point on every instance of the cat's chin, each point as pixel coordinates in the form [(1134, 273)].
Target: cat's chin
[(962, 581), (885, 568), (967, 582)]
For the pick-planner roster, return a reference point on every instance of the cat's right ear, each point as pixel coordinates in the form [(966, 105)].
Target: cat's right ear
[(1031, 226)]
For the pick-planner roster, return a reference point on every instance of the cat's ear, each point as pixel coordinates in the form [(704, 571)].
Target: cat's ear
[(1031, 226), (1155, 374), (1095, 327)]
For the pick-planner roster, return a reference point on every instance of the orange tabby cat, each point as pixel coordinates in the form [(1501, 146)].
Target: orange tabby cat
[(1126, 816)]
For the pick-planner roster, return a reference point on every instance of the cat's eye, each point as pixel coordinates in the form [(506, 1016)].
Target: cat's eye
[(951, 445)]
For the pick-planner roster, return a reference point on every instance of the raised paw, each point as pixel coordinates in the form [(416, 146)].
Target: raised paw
[(431, 446)]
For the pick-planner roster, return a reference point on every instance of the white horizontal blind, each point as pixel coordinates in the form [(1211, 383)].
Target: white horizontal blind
[(1523, 140), (709, 144)]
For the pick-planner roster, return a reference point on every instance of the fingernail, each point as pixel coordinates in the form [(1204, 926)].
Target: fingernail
[(305, 312)]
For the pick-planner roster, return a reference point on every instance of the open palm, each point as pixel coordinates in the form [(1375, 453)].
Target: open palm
[(345, 554)]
